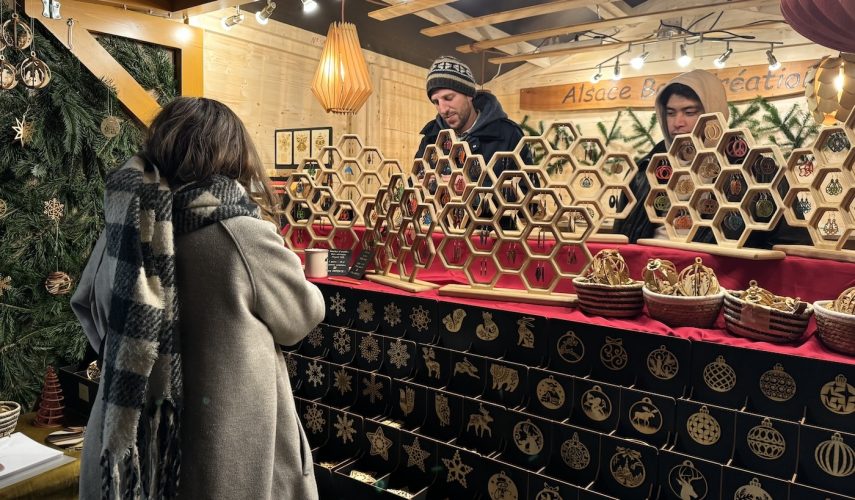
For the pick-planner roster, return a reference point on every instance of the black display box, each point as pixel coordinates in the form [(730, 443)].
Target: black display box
[(79, 391)]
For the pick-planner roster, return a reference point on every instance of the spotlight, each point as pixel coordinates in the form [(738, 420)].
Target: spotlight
[(233, 20), (309, 6), (720, 60), (598, 75), (773, 61), (684, 59), (264, 14), (638, 61), (617, 76)]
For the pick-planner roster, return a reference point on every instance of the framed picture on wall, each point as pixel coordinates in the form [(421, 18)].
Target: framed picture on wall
[(284, 152), (321, 138)]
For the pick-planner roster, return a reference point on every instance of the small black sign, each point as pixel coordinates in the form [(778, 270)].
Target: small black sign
[(358, 269), (338, 262)]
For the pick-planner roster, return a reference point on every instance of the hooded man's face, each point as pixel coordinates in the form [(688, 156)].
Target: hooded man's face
[(681, 114), (455, 108)]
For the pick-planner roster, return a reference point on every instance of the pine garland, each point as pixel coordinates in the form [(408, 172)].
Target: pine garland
[(67, 159)]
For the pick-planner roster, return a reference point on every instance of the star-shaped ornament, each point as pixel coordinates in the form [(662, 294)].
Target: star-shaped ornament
[(416, 455), (380, 444), (23, 130)]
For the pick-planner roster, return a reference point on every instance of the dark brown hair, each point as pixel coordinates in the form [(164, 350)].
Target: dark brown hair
[(194, 138)]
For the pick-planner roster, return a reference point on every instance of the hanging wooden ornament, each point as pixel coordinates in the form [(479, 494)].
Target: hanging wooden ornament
[(764, 207), (683, 221), (5, 284), (835, 457), (752, 491), (58, 283), (35, 73), (23, 130), (661, 203), (663, 170), (708, 205), (697, 280), (845, 302), (3, 207), (709, 168), (736, 149), (8, 74), (712, 133), (111, 126), (16, 33)]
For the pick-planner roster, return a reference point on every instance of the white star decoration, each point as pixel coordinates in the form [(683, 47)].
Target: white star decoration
[(23, 130)]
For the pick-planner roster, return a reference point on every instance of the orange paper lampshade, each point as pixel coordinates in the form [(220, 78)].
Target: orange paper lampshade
[(342, 83)]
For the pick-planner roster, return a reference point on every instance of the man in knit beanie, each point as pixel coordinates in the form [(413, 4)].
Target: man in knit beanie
[(475, 116)]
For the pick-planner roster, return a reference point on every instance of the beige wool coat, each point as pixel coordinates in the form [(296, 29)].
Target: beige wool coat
[(241, 293)]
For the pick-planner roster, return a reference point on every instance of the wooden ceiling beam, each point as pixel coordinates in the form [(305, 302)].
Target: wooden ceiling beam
[(402, 9), (610, 46), (612, 23), (510, 15)]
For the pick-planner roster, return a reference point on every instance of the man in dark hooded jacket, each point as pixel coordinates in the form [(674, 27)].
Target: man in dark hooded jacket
[(476, 117)]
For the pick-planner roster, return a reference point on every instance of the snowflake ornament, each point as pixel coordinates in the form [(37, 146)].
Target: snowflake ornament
[(290, 365), (398, 354), (54, 209), (315, 373), (342, 381), (337, 304), (365, 311), (369, 348), (344, 428), (420, 318), (316, 337), (341, 341), (315, 419), (373, 389), (392, 314)]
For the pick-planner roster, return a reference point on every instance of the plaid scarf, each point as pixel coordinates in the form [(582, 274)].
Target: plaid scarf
[(142, 397)]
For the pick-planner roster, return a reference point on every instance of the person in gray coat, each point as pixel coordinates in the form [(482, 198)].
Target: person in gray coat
[(188, 294)]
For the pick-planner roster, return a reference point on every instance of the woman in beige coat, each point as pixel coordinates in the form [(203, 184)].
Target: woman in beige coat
[(194, 292)]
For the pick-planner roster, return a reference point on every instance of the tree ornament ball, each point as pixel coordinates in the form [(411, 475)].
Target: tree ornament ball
[(58, 283)]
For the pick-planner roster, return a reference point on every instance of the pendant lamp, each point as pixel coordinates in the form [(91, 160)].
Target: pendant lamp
[(830, 88), (342, 83)]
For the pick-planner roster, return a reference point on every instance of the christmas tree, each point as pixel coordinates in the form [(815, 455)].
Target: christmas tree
[(51, 197)]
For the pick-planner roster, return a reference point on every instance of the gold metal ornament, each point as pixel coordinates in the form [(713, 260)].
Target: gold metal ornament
[(481, 422), (525, 336), (373, 388), (645, 417), (528, 437), (369, 348), (365, 310), (835, 457), (407, 400), (505, 378), (315, 420), (697, 280), (719, 376), (687, 482), (431, 363), (752, 491), (344, 428), (443, 411), (627, 468), (613, 355), (420, 318), (501, 487), (467, 368), (457, 470), (416, 456), (662, 363), (363, 477), (575, 454), (596, 404), (777, 385), (453, 321), (488, 330), (703, 428), (550, 393), (571, 348), (380, 444), (765, 441), (398, 355), (548, 493), (342, 381), (838, 396), (391, 314)]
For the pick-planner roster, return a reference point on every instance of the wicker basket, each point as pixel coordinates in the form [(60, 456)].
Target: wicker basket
[(835, 329), (9, 413), (760, 322), (615, 301), (700, 312)]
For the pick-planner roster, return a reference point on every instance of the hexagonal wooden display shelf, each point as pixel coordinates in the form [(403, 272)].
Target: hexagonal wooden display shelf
[(716, 179), (821, 194)]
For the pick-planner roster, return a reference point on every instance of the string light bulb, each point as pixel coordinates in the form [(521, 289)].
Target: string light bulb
[(638, 61), (231, 21), (598, 75), (309, 6), (720, 60), (617, 75), (773, 61), (685, 59), (264, 14)]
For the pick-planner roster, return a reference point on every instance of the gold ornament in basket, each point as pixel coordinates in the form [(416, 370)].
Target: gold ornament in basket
[(691, 298), (759, 314), (608, 290), (835, 322), (9, 413)]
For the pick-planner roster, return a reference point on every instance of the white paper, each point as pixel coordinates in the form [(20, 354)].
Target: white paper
[(19, 453)]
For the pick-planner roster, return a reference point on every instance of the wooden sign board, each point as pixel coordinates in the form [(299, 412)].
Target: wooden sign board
[(741, 84)]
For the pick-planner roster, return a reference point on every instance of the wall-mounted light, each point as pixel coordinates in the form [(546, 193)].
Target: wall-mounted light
[(773, 61), (685, 59), (264, 14), (638, 61), (233, 20), (722, 59), (617, 75), (309, 6), (598, 75)]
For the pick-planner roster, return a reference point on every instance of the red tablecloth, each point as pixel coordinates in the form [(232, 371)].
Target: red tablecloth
[(809, 279)]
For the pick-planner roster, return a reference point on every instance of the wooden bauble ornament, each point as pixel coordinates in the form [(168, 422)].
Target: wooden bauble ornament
[(844, 303), (3, 207), (627, 468), (708, 206), (35, 73), (16, 33), (752, 491), (502, 487), (835, 457), (719, 376), (58, 283), (111, 126), (661, 203), (709, 168), (662, 363), (777, 385), (660, 276), (703, 428), (686, 481), (575, 454), (8, 75), (712, 133), (765, 441), (683, 222), (697, 280), (663, 170)]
